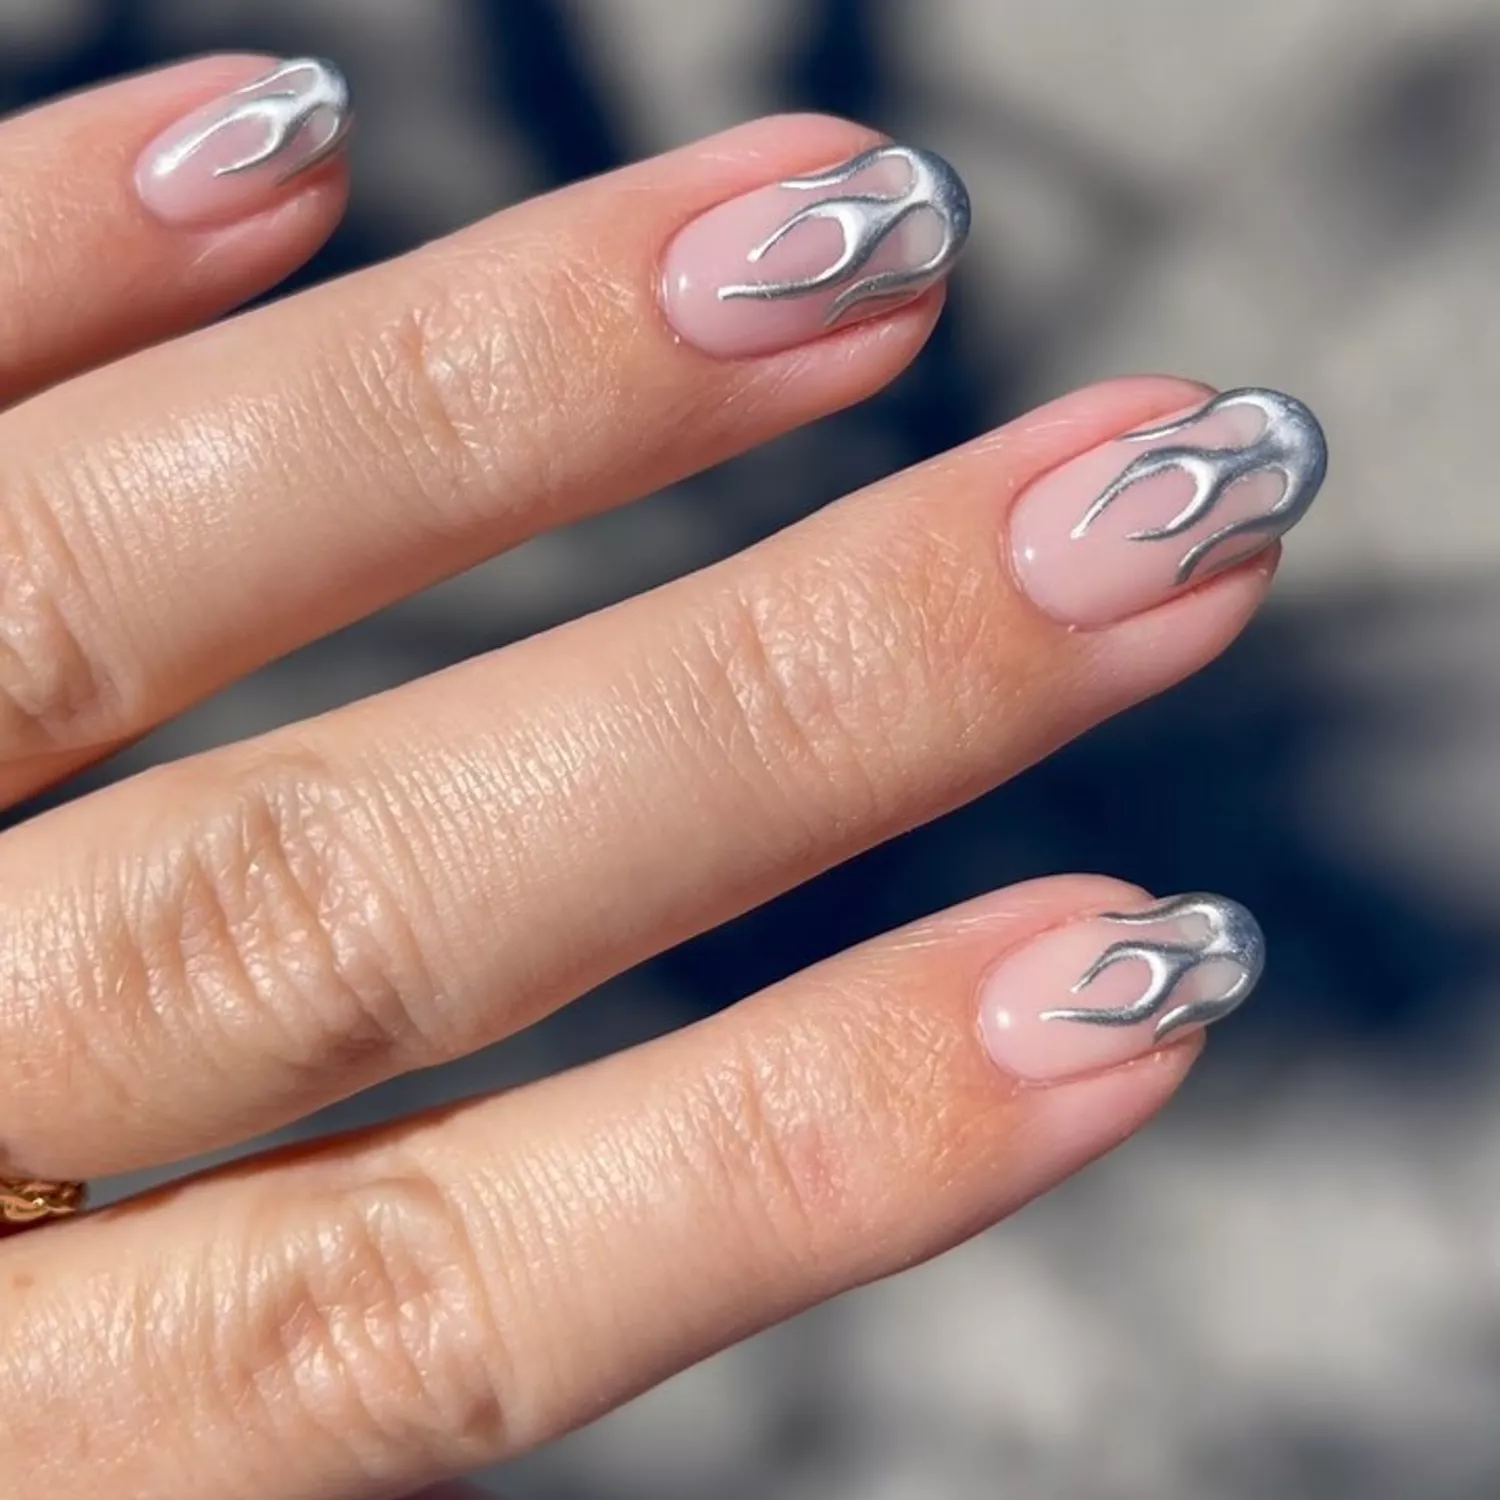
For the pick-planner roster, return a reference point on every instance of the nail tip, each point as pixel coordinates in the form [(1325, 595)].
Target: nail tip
[(1291, 443), (1233, 936), (955, 194), (867, 220)]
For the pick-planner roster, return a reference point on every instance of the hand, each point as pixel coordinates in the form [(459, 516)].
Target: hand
[(221, 946)]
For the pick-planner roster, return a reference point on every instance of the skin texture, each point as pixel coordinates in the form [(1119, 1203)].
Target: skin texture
[(218, 947)]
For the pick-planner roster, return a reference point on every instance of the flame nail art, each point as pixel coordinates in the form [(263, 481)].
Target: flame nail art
[(1102, 990), (300, 111), (1230, 935), (866, 221), (1290, 444), (1126, 525)]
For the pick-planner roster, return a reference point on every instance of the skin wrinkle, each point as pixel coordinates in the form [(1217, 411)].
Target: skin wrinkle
[(421, 819), (326, 857), (502, 396), (56, 682), (143, 494), (771, 1159), (953, 708), (340, 1313), (291, 448), (402, 404), (530, 793), (54, 986), (263, 916), (349, 1319), (709, 736), (875, 659), (866, 1050)]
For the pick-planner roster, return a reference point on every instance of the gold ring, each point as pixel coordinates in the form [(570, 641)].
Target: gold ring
[(30, 1202)]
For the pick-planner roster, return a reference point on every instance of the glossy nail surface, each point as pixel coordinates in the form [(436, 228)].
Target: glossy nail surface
[(1137, 520), (231, 158), (783, 264), (1098, 992)]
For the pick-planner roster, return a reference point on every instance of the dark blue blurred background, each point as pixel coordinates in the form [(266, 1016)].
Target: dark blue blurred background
[(1290, 1286)]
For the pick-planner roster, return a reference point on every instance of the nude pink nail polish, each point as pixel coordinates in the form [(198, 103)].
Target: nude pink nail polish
[(1100, 991), (230, 158), (784, 264), (1159, 510)]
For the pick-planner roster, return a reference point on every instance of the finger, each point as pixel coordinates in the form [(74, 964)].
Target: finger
[(216, 948), (276, 478), (457, 1289), (110, 241)]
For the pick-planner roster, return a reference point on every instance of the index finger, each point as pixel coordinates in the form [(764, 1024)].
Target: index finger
[(88, 272)]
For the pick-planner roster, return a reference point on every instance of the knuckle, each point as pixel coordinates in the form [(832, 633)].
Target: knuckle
[(475, 380), (59, 689), (370, 1315), (846, 675), (782, 691), (767, 1134), (282, 904), (812, 1129)]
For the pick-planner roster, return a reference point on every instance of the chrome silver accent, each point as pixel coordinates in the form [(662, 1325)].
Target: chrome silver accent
[(1231, 936), (1291, 444), (309, 87), (866, 221)]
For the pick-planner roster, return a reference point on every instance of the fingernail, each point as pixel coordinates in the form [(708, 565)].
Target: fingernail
[(783, 264), (1137, 520), (230, 158), (1103, 990)]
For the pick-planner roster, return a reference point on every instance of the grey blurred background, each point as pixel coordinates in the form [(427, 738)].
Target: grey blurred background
[(1291, 1285)]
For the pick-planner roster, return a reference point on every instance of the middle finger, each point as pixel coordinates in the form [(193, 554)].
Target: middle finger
[(220, 946)]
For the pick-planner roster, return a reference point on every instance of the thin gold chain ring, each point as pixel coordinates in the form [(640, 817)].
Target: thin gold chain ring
[(30, 1202)]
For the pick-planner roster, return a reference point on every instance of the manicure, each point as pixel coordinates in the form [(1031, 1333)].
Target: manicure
[(783, 264), (1159, 510), (1101, 991), (229, 159)]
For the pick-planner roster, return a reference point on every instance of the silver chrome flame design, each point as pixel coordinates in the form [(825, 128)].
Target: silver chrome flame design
[(285, 103), (1231, 935), (866, 221), (1291, 444)]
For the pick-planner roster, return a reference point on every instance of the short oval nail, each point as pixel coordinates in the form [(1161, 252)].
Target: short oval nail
[(1156, 511), (1103, 990), (231, 158), (784, 264)]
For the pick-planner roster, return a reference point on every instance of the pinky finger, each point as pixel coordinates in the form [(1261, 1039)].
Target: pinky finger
[(384, 1310)]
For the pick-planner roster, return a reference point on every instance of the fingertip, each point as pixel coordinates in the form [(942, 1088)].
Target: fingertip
[(1086, 1119), (246, 147), (136, 251)]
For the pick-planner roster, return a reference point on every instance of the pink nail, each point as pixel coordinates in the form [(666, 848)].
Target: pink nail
[(1156, 511), (783, 264), (230, 158), (1101, 991)]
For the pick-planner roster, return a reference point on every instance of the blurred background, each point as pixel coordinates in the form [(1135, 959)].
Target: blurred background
[(1291, 1285)]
